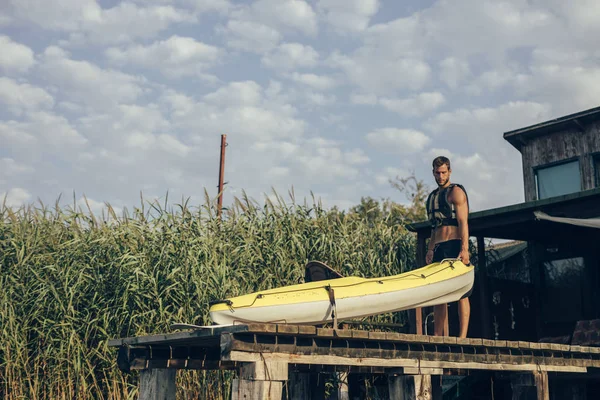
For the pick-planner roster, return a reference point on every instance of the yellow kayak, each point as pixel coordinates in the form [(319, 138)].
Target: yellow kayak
[(351, 297)]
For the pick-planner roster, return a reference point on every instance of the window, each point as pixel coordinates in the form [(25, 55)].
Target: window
[(557, 180)]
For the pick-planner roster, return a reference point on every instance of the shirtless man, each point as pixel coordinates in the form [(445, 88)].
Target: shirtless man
[(448, 211)]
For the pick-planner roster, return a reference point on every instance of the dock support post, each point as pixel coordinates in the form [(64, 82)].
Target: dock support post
[(157, 384), (260, 381), (525, 385), (409, 387), (342, 391)]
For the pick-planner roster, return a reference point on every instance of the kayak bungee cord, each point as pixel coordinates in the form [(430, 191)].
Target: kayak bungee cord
[(329, 287)]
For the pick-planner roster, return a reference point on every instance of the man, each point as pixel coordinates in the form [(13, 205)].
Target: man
[(448, 211)]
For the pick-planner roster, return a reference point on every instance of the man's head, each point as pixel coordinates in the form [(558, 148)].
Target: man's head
[(441, 170)]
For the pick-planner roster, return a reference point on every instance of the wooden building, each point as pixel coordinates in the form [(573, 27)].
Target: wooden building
[(551, 292)]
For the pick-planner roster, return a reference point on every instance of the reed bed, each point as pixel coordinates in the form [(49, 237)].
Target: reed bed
[(70, 280)]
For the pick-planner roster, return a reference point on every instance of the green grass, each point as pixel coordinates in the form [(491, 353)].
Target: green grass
[(69, 281)]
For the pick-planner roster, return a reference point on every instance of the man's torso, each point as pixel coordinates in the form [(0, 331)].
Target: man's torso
[(445, 233)]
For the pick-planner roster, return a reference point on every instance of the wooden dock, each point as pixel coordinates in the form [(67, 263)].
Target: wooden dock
[(268, 356)]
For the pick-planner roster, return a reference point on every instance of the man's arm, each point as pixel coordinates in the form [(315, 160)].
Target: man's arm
[(430, 247), (459, 198)]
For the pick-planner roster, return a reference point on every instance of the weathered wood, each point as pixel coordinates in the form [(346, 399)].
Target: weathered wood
[(541, 383), (409, 387), (342, 389), (242, 389), (319, 359), (157, 384), (299, 386), (264, 371)]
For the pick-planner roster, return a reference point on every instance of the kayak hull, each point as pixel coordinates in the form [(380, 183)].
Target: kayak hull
[(354, 297)]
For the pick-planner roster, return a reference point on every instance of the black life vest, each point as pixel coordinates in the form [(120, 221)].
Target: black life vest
[(439, 211)]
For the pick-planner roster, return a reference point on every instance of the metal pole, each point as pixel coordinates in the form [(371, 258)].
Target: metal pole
[(221, 175)]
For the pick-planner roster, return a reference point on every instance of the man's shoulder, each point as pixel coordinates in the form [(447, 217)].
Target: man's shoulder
[(457, 190)]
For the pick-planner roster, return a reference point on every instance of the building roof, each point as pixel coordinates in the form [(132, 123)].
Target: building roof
[(518, 221), (519, 137)]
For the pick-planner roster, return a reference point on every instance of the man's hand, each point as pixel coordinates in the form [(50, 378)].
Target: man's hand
[(464, 257), (429, 257)]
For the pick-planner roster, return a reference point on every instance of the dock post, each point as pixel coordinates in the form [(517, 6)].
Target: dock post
[(342, 391), (409, 387), (260, 381), (157, 384), (525, 385)]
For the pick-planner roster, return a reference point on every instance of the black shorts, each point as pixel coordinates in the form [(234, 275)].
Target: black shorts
[(447, 249)]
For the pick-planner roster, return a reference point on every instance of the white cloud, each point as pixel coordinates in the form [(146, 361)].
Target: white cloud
[(319, 82), (453, 71), (15, 197), (10, 167), (364, 99), (479, 125), (348, 15), (415, 106), (18, 97), (84, 82), (258, 28), (15, 57), (250, 36), (88, 22), (284, 14), (236, 93), (390, 173), (399, 141), (375, 73), (320, 99), (174, 57), (291, 56)]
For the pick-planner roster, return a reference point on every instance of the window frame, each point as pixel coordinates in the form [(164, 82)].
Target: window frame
[(555, 164)]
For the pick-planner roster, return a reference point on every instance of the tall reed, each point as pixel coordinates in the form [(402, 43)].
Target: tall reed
[(70, 280)]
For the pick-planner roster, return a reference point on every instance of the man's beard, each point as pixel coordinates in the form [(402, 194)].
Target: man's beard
[(442, 183)]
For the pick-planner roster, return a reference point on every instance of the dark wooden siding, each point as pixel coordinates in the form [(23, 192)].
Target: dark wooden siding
[(558, 146)]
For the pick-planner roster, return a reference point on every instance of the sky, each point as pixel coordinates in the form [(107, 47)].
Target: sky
[(108, 99)]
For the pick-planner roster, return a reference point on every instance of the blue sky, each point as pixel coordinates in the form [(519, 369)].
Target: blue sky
[(107, 98)]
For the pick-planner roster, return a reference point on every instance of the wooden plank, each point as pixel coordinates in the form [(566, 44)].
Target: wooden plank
[(392, 362), (377, 335), (360, 334), (524, 345), (307, 330), (288, 329), (436, 339), (541, 383), (449, 339), (242, 389), (264, 371), (325, 332), (173, 338), (157, 384), (262, 328)]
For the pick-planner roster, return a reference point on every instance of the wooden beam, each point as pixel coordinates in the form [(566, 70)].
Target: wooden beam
[(244, 356), (417, 321), (541, 384), (482, 286), (242, 389), (262, 380), (157, 384)]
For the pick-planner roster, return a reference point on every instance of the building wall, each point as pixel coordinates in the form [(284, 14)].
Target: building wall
[(558, 146)]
